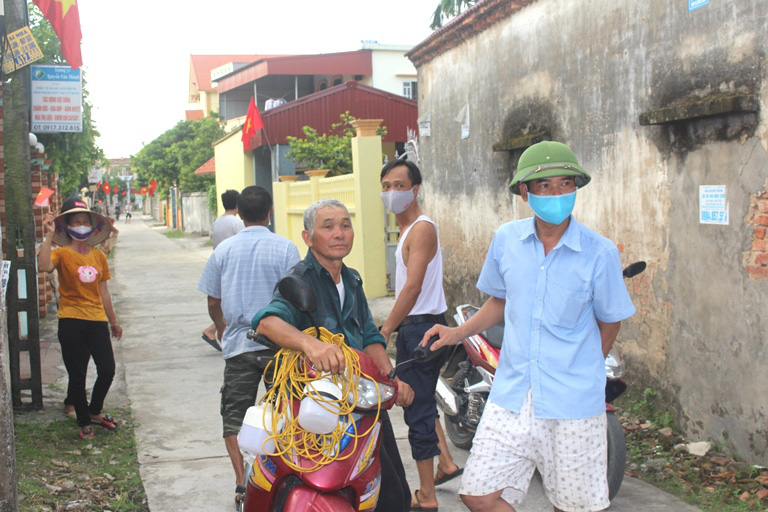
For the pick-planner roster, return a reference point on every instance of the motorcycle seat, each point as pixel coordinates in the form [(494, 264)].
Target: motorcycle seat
[(494, 335)]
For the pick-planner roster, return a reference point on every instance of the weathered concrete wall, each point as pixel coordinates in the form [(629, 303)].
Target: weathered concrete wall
[(585, 71)]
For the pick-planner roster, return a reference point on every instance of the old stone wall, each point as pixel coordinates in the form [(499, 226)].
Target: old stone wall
[(583, 73)]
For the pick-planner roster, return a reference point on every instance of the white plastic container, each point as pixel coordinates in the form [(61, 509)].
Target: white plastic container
[(314, 417), (256, 429)]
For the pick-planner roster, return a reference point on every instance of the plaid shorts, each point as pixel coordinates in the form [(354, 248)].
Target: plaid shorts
[(242, 374), (571, 456)]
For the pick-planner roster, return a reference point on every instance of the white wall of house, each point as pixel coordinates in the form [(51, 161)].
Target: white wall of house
[(390, 67)]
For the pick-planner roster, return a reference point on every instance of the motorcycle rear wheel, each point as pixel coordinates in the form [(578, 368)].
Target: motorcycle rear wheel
[(459, 436), (617, 454)]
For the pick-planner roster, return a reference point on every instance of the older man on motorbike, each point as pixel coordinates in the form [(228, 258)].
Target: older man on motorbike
[(342, 309), (558, 286)]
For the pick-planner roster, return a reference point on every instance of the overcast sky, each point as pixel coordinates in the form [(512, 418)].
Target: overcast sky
[(136, 54)]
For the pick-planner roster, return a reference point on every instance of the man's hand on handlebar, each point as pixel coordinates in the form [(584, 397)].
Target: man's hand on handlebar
[(324, 356), (448, 336), (404, 393)]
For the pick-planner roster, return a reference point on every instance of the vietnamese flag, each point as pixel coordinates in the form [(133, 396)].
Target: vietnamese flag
[(64, 17), (253, 123), (114, 189), (44, 197), (106, 187), (144, 190), (152, 187)]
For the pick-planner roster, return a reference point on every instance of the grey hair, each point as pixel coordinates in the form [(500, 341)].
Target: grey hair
[(310, 214)]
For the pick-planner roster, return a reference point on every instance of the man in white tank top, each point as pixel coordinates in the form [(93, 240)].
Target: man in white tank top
[(419, 305)]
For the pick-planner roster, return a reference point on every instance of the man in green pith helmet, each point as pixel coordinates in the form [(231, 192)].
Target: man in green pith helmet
[(558, 287)]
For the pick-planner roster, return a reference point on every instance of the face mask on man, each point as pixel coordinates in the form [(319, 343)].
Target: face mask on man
[(552, 209), (80, 232), (397, 201)]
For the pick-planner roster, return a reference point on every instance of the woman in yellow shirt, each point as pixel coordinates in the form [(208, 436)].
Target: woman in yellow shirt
[(85, 306)]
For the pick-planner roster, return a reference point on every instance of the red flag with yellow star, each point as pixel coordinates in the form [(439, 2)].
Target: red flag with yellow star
[(253, 123), (64, 17)]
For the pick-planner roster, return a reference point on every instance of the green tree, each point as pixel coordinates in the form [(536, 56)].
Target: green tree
[(448, 9), (72, 154), (173, 157), (333, 152)]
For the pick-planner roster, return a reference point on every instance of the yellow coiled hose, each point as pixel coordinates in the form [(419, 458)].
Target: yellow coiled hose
[(292, 374)]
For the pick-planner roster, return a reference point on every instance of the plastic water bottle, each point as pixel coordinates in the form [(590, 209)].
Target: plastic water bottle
[(316, 417)]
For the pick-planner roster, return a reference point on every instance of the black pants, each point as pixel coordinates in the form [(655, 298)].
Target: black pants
[(395, 495), (421, 415), (80, 340)]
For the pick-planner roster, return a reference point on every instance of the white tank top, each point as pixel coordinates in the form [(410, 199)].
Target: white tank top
[(431, 300)]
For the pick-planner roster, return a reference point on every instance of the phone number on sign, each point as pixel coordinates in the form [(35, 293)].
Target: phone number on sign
[(37, 128)]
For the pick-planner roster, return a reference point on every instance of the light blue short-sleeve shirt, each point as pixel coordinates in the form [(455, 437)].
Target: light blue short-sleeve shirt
[(243, 271), (552, 343)]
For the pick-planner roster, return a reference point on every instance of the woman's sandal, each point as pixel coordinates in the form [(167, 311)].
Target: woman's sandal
[(106, 421), (86, 433), (416, 504)]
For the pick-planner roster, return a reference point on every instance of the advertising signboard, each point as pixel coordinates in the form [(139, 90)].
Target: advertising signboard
[(56, 99)]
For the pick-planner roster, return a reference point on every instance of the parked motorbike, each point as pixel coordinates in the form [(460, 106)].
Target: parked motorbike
[(293, 480), (464, 385)]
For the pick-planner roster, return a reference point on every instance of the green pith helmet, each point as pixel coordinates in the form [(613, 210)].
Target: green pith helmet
[(546, 160)]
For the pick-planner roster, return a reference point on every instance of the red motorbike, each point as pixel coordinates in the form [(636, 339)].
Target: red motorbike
[(466, 380), (352, 481)]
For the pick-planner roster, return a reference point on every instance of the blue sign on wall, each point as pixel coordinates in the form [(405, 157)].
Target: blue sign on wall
[(696, 4)]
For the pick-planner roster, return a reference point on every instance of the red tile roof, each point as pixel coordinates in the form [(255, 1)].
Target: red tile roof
[(208, 167), (464, 26), (193, 115), (358, 62), (200, 67)]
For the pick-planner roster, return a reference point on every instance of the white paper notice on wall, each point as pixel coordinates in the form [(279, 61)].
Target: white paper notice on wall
[(425, 125), (5, 273), (713, 204)]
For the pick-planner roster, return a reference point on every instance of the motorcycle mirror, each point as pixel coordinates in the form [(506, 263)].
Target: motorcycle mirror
[(421, 354), (634, 269), (298, 293), (301, 296)]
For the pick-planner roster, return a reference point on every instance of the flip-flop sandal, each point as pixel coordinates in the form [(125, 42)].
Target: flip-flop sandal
[(416, 504), (441, 478), (86, 433), (106, 421), (212, 342)]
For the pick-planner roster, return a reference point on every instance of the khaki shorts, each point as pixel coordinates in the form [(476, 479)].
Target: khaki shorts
[(571, 456), (242, 375)]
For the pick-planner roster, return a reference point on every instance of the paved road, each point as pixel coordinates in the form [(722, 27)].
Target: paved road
[(173, 380)]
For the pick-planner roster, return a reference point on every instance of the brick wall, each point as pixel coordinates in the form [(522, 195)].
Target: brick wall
[(756, 259)]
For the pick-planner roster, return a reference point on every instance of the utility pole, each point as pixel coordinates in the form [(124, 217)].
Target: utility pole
[(20, 244)]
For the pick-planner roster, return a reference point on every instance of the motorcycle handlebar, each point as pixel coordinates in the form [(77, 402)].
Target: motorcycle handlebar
[(263, 340)]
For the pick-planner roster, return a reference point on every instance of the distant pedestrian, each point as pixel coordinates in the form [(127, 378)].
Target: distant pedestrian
[(117, 211), (239, 279), (128, 210), (225, 226), (85, 307)]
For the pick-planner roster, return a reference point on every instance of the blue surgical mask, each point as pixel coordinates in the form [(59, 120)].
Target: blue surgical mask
[(552, 209)]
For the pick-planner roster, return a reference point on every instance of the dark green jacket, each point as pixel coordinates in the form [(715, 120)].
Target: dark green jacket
[(354, 320)]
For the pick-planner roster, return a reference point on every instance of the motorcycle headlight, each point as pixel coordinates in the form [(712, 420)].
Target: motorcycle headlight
[(614, 365), (368, 393)]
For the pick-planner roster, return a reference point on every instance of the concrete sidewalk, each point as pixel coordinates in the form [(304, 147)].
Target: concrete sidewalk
[(173, 379)]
